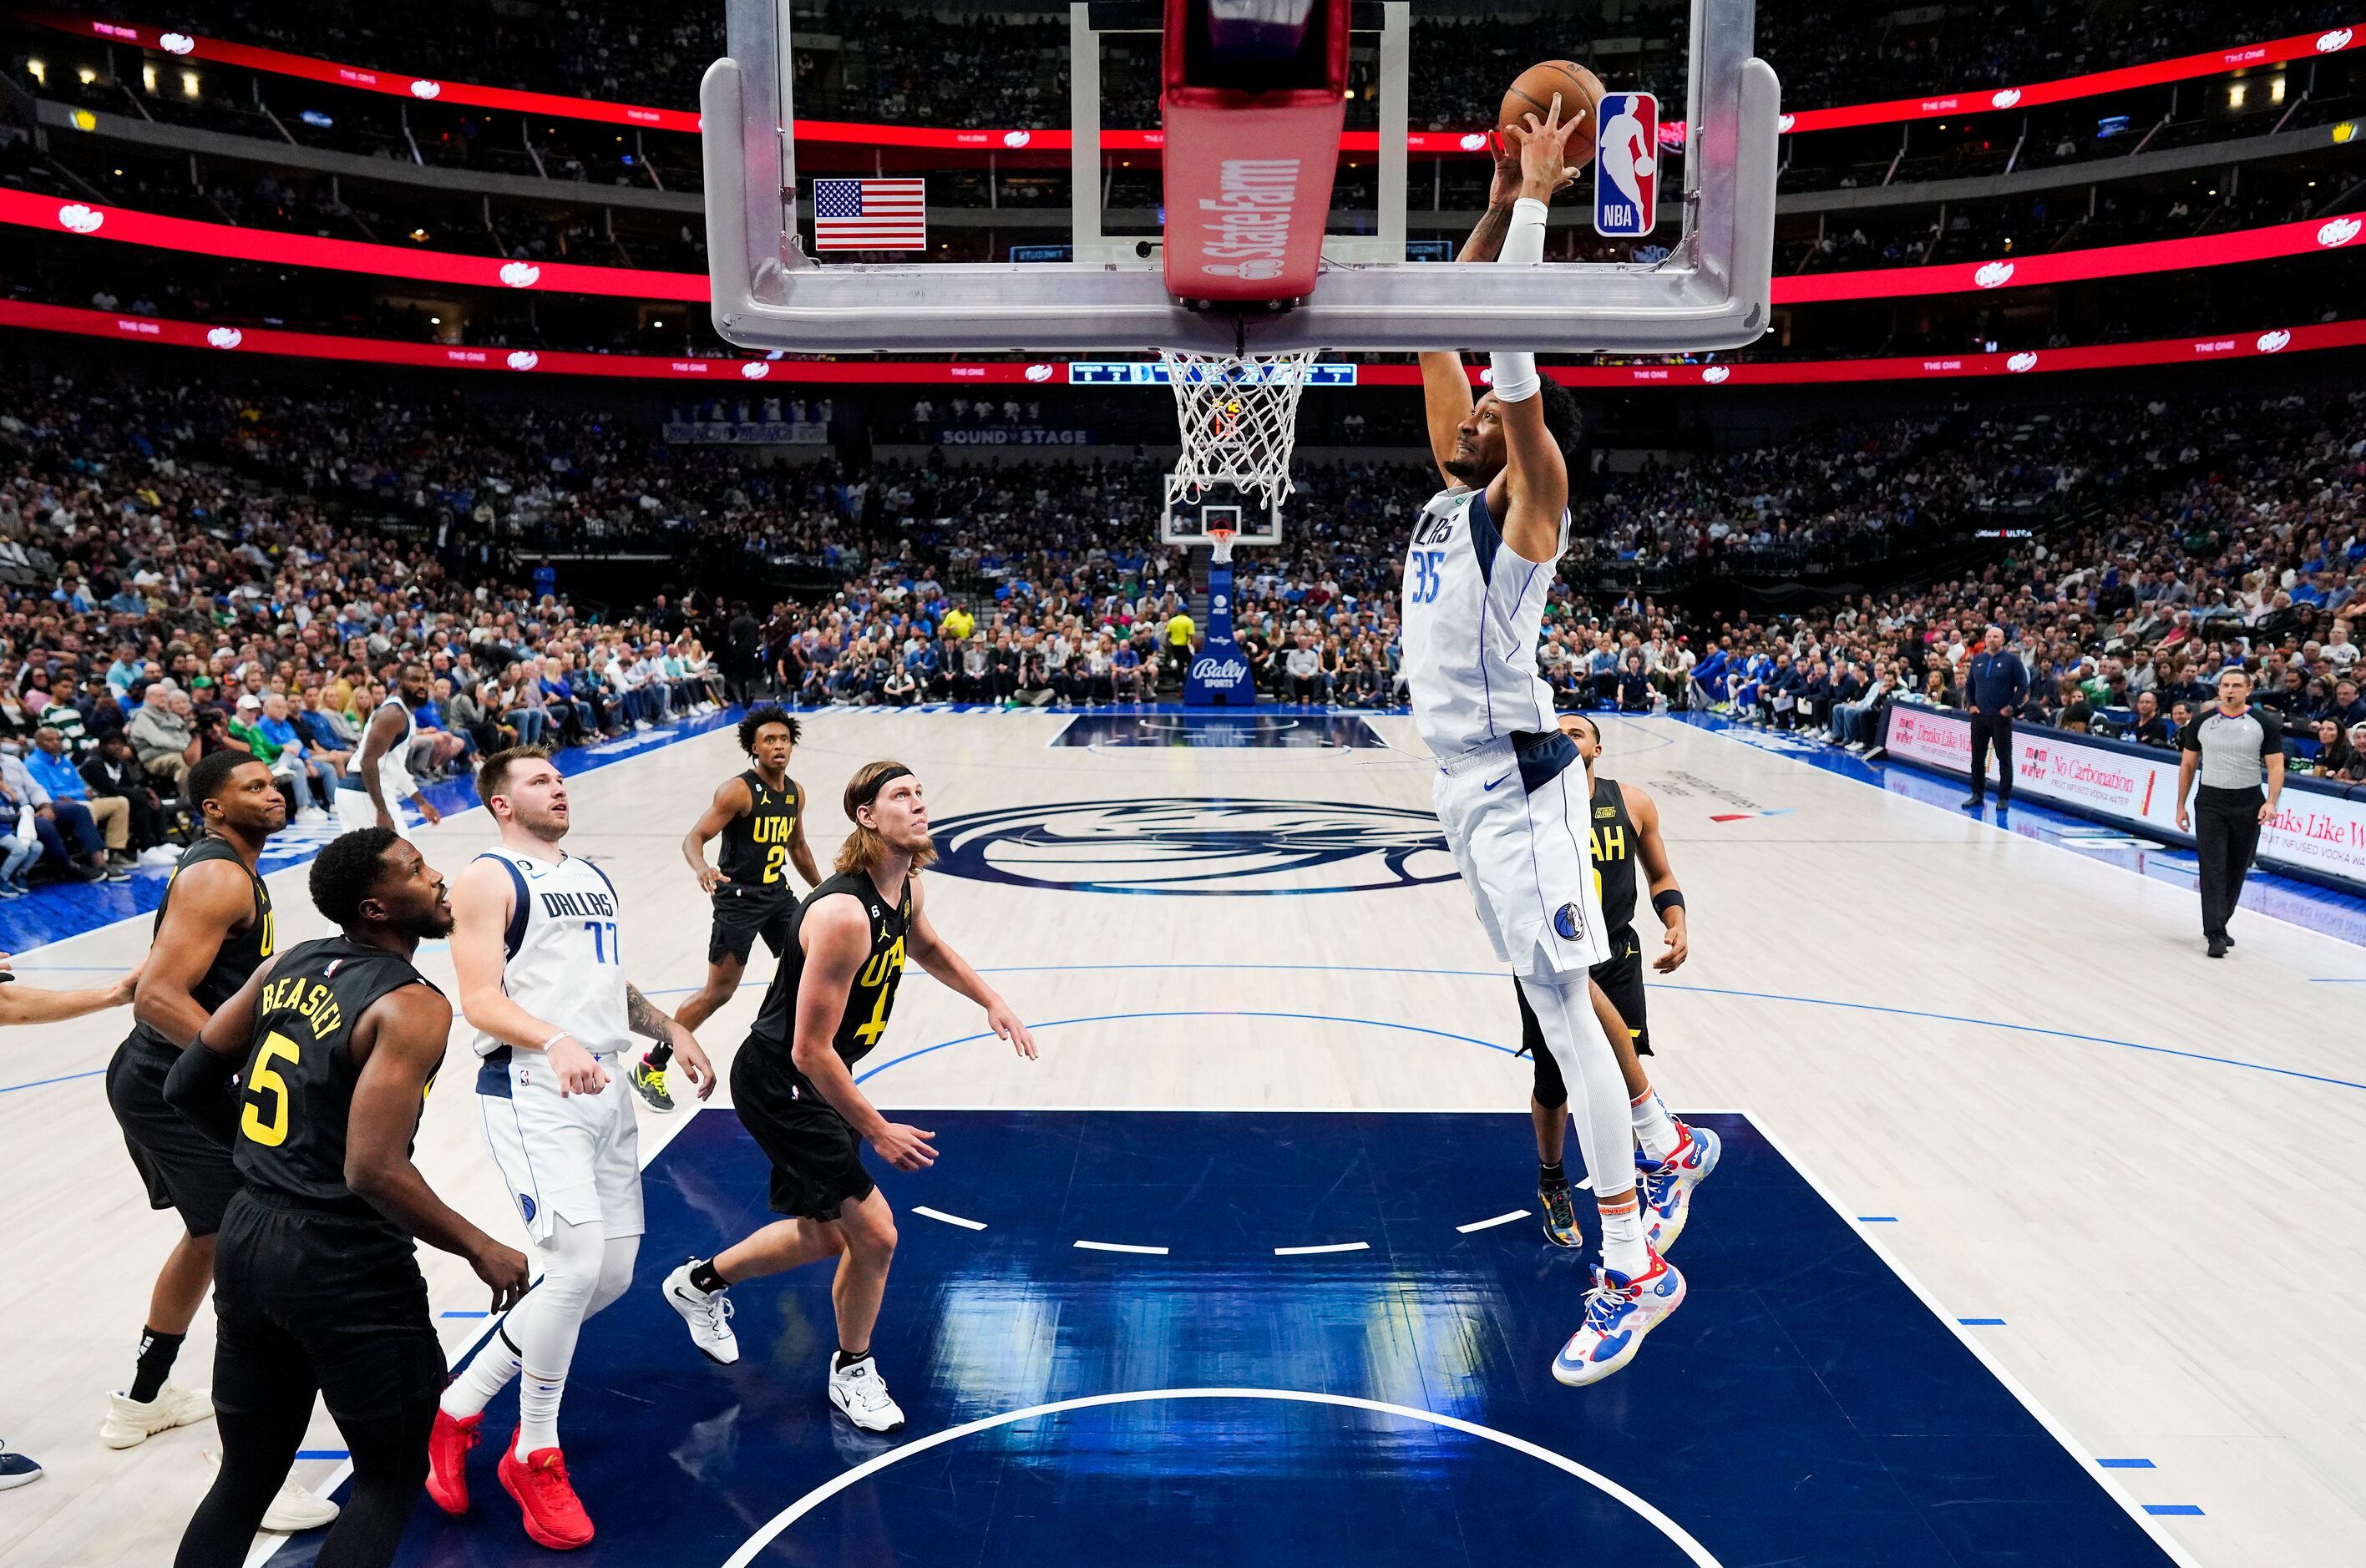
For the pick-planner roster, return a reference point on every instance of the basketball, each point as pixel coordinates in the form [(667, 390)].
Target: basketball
[(1532, 94)]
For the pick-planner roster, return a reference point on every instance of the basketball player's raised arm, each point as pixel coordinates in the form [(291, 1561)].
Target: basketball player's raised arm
[(481, 905), (731, 802), (837, 938), (932, 952), (209, 900), (403, 1034), (198, 1086), (1659, 878), (1444, 388), (1536, 476)]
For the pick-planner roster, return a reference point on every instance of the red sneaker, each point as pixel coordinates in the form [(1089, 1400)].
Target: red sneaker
[(553, 1518), (447, 1461)]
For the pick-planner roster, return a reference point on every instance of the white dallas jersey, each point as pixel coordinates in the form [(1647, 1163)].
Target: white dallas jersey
[(563, 965), (1472, 610), (393, 764)]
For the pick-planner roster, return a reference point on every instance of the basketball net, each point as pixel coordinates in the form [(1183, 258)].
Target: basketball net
[(1223, 538), (1238, 413)]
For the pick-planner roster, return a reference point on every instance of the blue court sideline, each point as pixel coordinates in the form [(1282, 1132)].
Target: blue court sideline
[(1384, 1404)]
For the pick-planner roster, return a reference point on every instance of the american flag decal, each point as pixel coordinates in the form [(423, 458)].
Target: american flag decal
[(870, 215)]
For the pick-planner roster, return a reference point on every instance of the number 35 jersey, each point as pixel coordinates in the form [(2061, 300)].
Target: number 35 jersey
[(298, 1089), (868, 1002), (1472, 610), (561, 962)]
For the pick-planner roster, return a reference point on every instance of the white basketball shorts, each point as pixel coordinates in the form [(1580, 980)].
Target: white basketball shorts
[(575, 1157), (1515, 818), (354, 810)]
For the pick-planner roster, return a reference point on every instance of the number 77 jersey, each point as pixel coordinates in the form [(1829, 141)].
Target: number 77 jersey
[(562, 956), (298, 1089), (1472, 609)]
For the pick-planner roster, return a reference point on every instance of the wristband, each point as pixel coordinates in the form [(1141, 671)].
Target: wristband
[(562, 1034), (1663, 903), (1523, 243)]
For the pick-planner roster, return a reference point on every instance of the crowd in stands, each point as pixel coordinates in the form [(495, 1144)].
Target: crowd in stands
[(188, 568)]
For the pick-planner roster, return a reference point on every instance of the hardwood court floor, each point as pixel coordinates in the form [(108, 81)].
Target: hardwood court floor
[(2011, 1061)]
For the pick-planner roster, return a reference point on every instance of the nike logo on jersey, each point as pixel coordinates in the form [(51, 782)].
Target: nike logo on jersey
[(1492, 784)]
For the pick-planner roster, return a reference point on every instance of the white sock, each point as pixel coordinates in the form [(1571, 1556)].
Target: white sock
[(539, 1399), (1653, 1127), (1623, 1252), (483, 1378)]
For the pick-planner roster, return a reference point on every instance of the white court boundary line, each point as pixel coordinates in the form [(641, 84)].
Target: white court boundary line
[(2060, 1434), (780, 1521)]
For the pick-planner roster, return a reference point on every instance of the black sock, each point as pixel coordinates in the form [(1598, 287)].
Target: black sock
[(659, 1057), (157, 1351), (703, 1276), (1550, 1176), (846, 1358)]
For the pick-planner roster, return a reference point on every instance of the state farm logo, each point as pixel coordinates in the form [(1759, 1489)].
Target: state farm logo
[(1783, 122), (524, 359), (225, 337), (2341, 231), (80, 219), (1017, 138), (1039, 372), (755, 370), (2334, 41), (176, 43), (1474, 141), (2007, 99), (2020, 362), (2270, 341), (423, 88), (1716, 373), (521, 275), (1996, 274)]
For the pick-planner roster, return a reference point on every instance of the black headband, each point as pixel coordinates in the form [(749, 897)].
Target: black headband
[(872, 794)]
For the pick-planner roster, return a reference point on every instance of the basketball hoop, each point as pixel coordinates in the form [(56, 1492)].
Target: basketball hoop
[(1222, 539), (1238, 413)]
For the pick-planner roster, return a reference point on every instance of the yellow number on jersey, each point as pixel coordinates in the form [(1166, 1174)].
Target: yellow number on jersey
[(881, 973), (265, 1078), (774, 859)]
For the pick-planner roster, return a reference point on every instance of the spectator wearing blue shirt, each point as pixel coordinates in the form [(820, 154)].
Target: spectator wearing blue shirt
[(60, 814), (295, 761), (1994, 687)]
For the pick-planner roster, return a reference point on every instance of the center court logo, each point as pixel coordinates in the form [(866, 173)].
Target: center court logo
[(1198, 848)]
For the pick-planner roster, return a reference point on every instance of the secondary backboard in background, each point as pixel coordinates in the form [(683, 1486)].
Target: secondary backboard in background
[(1708, 290)]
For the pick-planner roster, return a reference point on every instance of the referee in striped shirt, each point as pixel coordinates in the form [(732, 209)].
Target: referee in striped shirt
[(2233, 745)]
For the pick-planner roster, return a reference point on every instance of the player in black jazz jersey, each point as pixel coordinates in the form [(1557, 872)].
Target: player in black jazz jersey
[(1672, 1157), (212, 929), (335, 1045), (760, 816), (792, 1084)]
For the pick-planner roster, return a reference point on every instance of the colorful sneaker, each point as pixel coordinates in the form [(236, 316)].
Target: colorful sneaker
[(649, 1083), (1667, 1202), (448, 1442), (1561, 1215), (1618, 1313), (553, 1518), (708, 1314), (1696, 1152), (859, 1390)]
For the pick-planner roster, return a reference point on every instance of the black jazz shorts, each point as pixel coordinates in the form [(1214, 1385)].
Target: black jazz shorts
[(742, 914), (182, 1168), (817, 1160), (1620, 976)]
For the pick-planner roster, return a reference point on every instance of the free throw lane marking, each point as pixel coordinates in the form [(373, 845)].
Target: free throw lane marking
[(949, 1219), (1120, 1247), (1326, 1246), (1490, 1224)]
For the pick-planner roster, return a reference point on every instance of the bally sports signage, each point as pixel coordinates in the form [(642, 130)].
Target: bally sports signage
[(2319, 832)]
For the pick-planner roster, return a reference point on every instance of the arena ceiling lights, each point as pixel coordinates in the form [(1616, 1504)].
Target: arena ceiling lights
[(403, 85)]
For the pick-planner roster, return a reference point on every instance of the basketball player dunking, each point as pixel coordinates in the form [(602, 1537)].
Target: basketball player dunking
[(334, 1043), (378, 778), (213, 929), (760, 814), (542, 980), (1672, 1158), (792, 1084), (1475, 581)]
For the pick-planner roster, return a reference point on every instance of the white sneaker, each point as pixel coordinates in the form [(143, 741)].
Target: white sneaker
[(312, 814), (163, 854), (292, 1507), (861, 1392), (708, 1313), (131, 1422)]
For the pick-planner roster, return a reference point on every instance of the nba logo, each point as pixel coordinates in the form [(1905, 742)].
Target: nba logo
[(1627, 166)]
